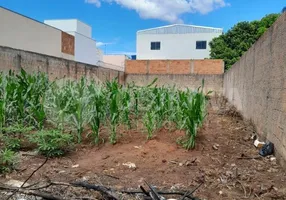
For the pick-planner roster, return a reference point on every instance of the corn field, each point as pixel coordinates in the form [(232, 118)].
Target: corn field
[(31, 100)]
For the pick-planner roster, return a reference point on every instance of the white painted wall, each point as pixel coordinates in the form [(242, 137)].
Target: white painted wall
[(86, 50), (173, 46), (71, 25), (85, 47), (20, 32)]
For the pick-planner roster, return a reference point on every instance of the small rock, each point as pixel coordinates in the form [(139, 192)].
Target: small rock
[(272, 159), (130, 165), (61, 172), (215, 146), (220, 192), (16, 183), (75, 166), (164, 161), (137, 147), (105, 157), (272, 170), (233, 165), (180, 164), (85, 178), (246, 138), (229, 174)]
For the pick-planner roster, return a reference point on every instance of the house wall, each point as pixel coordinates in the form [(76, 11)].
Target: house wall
[(20, 32), (86, 50), (71, 25), (256, 85), (173, 46), (85, 47), (118, 60)]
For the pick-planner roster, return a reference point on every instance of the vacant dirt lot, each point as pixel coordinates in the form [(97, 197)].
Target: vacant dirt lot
[(220, 160)]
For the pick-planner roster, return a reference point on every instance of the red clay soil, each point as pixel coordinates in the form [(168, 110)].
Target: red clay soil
[(162, 163)]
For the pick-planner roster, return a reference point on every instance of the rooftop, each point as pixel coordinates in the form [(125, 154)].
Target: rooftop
[(180, 29)]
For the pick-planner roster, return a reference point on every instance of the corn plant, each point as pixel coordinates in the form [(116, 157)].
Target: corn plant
[(80, 102), (125, 106), (149, 121), (113, 93), (97, 110)]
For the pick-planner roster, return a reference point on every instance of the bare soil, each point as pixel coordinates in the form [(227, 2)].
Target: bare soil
[(221, 142)]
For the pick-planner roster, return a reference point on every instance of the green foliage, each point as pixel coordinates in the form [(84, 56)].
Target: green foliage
[(12, 136), (149, 121), (72, 106), (10, 142), (7, 160), (231, 45), (52, 143)]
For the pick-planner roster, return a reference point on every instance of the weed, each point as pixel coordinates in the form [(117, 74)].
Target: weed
[(7, 160), (52, 143)]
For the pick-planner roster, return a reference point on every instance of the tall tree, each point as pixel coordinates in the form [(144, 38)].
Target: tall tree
[(231, 45)]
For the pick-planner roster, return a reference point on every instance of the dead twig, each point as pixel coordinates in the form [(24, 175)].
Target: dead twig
[(44, 195), (192, 192), (111, 176), (242, 188), (249, 158), (110, 194), (153, 194), (15, 191)]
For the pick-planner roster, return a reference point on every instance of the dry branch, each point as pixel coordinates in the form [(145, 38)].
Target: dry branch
[(44, 195)]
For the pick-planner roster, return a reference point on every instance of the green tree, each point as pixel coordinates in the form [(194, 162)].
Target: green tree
[(231, 45)]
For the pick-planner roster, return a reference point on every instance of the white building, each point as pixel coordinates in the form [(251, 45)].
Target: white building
[(85, 47), (20, 32), (175, 42)]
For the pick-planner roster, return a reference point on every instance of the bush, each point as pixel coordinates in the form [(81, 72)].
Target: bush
[(52, 143), (7, 160), (11, 142), (12, 136)]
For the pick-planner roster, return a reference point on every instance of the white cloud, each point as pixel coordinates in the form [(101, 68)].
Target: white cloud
[(99, 44), (166, 10), (95, 2)]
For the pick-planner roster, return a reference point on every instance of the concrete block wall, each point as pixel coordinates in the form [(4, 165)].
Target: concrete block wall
[(256, 85), (192, 81), (56, 68), (206, 66)]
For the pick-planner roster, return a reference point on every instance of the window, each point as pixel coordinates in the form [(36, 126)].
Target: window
[(201, 45), (155, 45)]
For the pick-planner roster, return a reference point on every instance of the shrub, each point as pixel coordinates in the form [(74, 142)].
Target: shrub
[(12, 143), (52, 143), (7, 160), (13, 136)]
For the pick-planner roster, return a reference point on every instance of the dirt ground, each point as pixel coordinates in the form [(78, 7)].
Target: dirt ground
[(215, 161)]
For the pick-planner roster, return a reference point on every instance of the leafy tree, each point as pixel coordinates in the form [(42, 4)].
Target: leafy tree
[(231, 45), (284, 9)]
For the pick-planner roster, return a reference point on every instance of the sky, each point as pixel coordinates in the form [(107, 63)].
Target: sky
[(115, 22)]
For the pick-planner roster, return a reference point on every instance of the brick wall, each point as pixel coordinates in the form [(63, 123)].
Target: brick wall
[(256, 85), (192, 81), (56, 68), (174, 66), (68, 43)]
